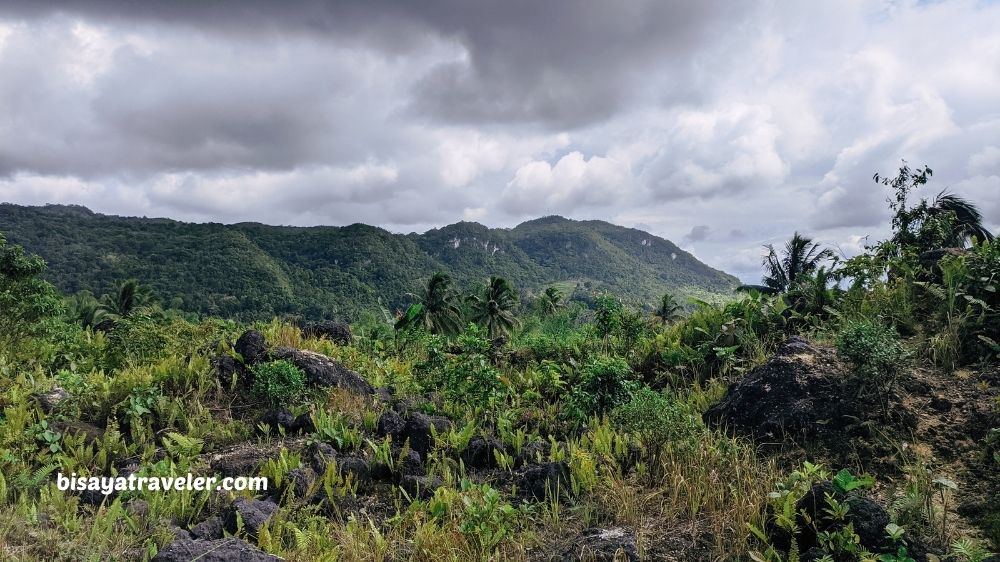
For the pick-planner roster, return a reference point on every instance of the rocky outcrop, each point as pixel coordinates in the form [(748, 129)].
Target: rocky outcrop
[(322, 371), (252, 347), (603, 545), (338, 332), (253, 514), (536, 482), (222, 550), (801, 390)]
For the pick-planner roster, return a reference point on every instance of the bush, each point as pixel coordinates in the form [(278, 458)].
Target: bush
[(277, 382), (656, 419), (604, 384), (874, 351)]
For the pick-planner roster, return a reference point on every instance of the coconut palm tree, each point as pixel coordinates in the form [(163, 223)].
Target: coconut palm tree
[(436, 309), (800, 256), (84, 309), (669, 309), (128, 297), (493, 309), (966, 220), (550, 301)]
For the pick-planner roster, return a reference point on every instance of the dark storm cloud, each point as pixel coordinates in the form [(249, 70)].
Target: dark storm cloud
[(555, 63), (698, 233)]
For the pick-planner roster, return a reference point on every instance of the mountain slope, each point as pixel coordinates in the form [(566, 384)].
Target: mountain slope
[(256, 271)]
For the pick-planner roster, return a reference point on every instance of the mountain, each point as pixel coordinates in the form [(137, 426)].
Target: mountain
[(255, 271)]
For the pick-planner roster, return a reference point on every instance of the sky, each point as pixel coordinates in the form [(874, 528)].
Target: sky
[(719, 125)]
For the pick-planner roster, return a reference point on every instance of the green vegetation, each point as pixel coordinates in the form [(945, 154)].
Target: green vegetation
[(501, 425), (254, 272)]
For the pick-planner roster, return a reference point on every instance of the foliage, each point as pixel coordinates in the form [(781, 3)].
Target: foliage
[(277, 382), (604, 384), (494, 307), (874, 351)]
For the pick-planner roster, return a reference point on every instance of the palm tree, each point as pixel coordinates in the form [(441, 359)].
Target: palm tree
[(801, 256), (967, 222), (669, 309), (128, 297), (84, 309), (493, 309), (436, 308), (550, 301)]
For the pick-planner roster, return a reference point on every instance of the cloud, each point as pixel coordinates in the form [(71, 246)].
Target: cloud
[(540, 188), (698, 233), (694, 119)]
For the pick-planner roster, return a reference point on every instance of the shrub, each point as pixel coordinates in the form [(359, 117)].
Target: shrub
[(603, 385), (656, 419), (277, 382), (874, 351)]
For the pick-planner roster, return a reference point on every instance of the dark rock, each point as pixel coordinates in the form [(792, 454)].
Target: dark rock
[(279, 418), (323, 454), (223, 550), (800, 390), (240, 460), (255, 514), (390, 423), (322, 371), (339, 332), (419, 433), (421, 487), (354, 466), (304, 423), (224, 367), (209, 529), (535, 452), (252, 347), (50, 400), (410, 464), (603, 545), (869, 520), (537, 481), (481, 453), (178, 533), (300, 480)]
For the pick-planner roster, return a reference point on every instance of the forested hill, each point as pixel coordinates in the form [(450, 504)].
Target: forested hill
[(254, 271)]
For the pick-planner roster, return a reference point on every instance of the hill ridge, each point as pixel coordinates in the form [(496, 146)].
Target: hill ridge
[(254, 271)]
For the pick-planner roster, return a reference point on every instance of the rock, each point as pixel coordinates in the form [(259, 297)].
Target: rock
[(410, 464), (603, 545), (537, 481), (255, 514), (421, 487), (209, 529), (322, 454), (279, 418), (304, 423), (800, 390), (252, 347), (940, 404), (481, 452), (869, 520), (356, 467), (224, 367), (338, 332), (241, 460), (300, 480), (534, 452), (50, 400), (390, 423), (322, 371), (137, 508), (223, 550), (419, 433)]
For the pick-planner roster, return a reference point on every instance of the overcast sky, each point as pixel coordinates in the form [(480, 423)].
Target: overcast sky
[(720, 125)]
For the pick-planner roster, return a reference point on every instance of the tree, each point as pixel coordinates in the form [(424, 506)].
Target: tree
[(964, 219), (669, 309), (128, 297), (28, 305), (84, 309), (800, 256), (437, 308), (550, 301), (493, 309)]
